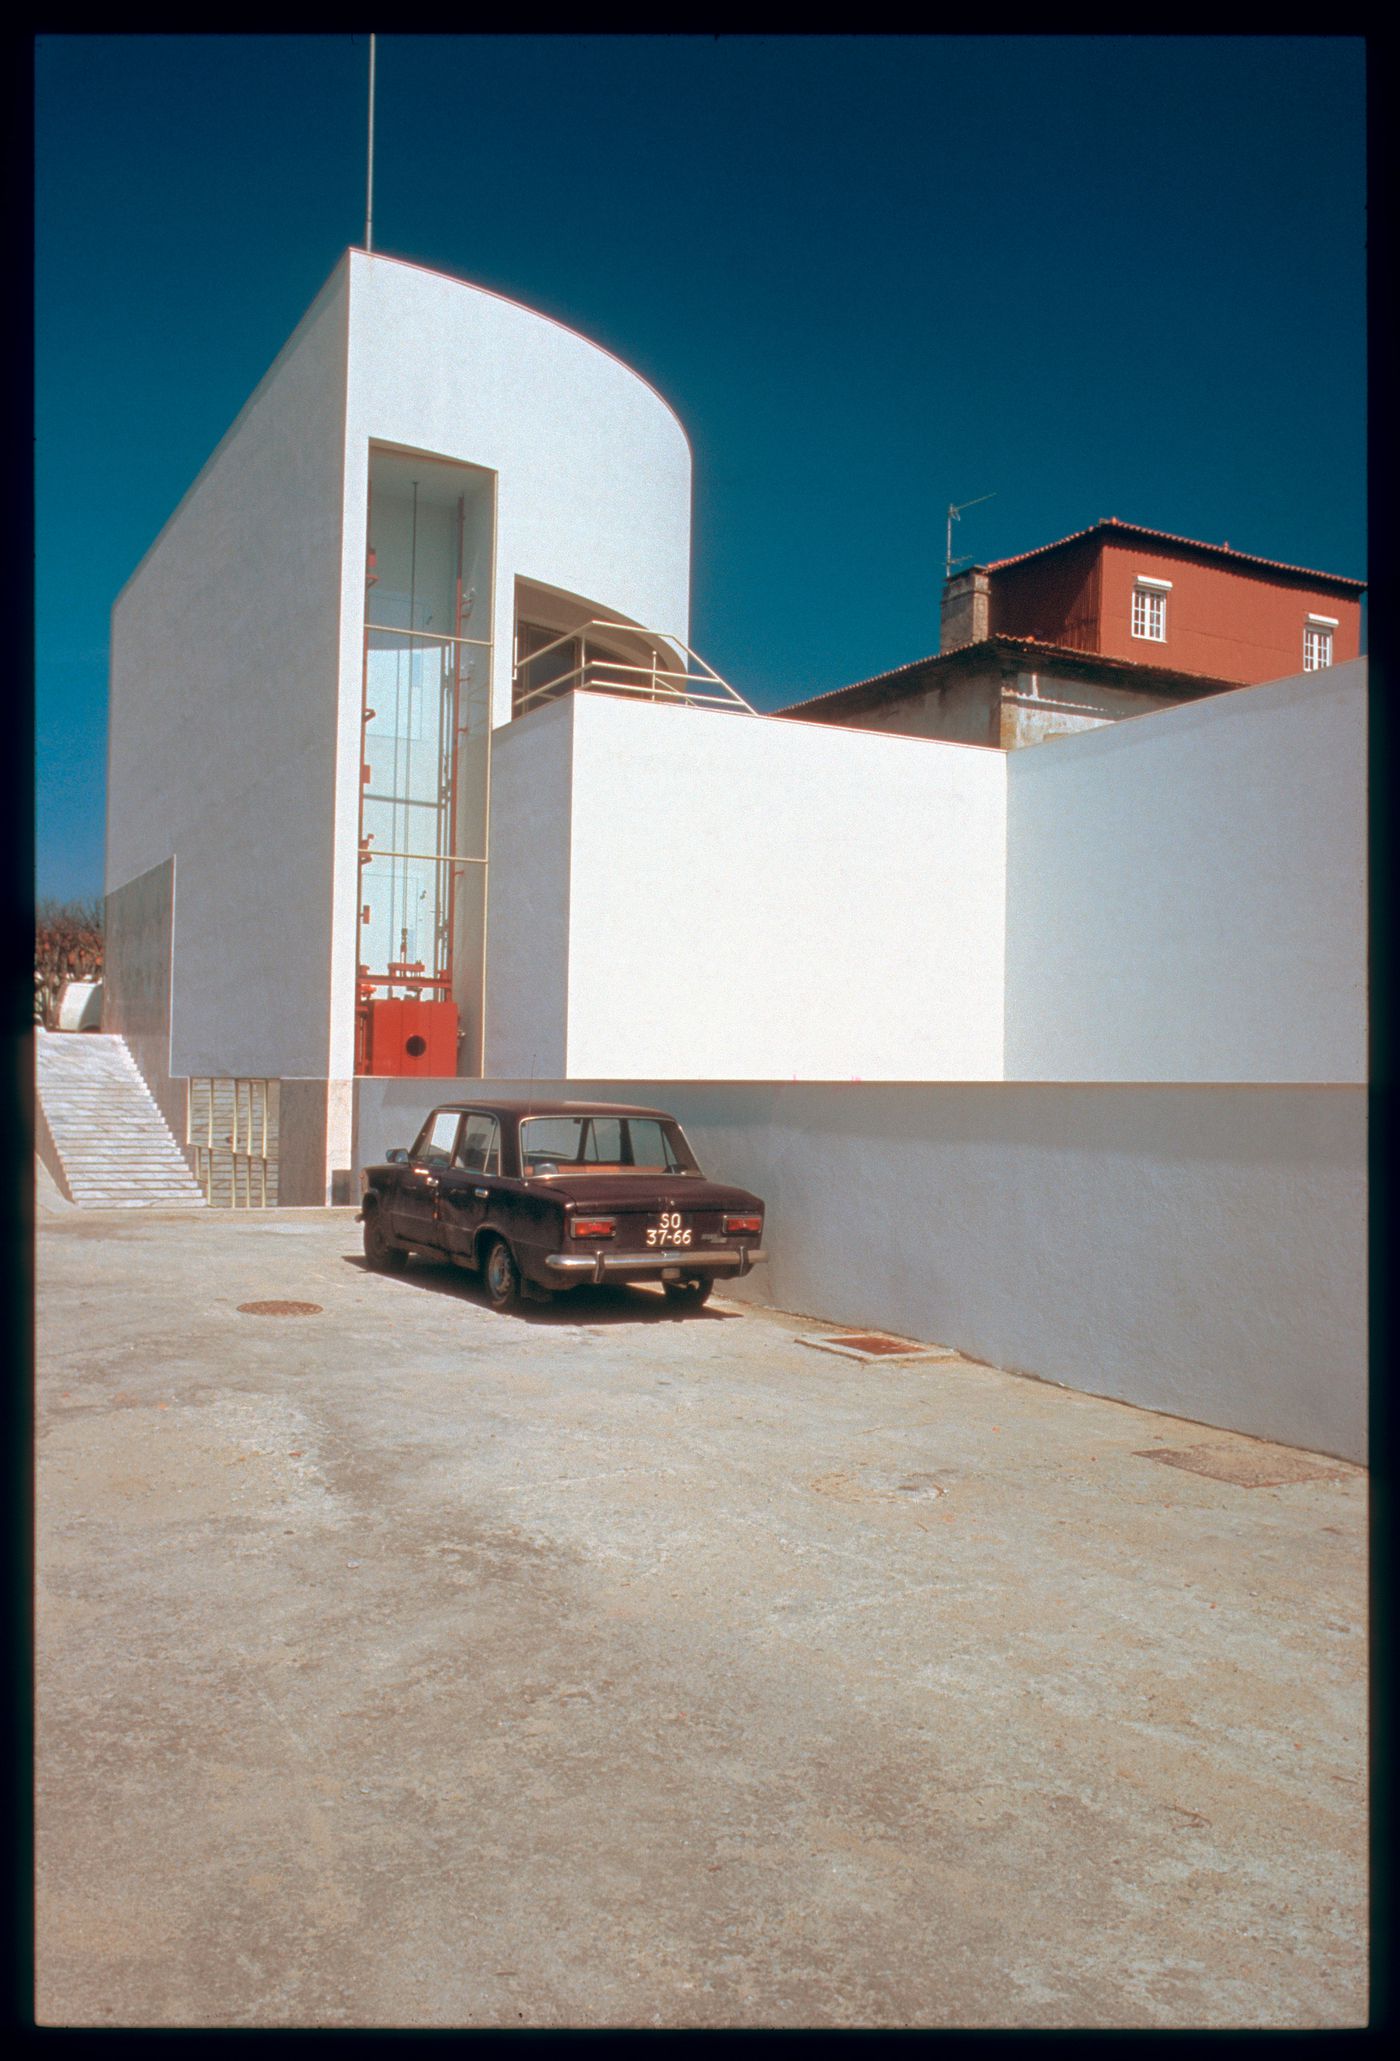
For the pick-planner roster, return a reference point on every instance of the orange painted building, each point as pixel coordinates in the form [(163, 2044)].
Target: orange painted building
[(1124, 592)]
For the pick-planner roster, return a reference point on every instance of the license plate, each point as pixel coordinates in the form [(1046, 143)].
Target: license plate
[(672, 1229)]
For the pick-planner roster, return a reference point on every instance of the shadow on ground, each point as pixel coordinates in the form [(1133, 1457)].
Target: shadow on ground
[(606, 1304)]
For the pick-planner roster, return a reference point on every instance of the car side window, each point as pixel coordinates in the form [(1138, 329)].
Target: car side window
[(436, 1139), (480, 1149)]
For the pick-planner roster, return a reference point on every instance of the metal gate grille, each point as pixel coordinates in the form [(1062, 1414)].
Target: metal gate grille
[(232, 1130)]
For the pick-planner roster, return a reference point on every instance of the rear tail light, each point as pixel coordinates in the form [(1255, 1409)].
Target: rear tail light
[(734, 1225), (592, 1227)]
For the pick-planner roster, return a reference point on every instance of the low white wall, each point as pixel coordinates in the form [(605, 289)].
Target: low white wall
[(1186, 892), (1196, 1250), (747, 899)]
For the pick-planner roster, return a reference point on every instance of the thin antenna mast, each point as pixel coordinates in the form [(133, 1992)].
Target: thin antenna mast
[(955, 515), (369, 177)]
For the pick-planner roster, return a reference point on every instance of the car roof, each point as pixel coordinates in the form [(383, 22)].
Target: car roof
[(538, 1106)]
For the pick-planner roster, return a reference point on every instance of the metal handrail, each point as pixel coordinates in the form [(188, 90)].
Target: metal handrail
[(653, 680), (424, 636)]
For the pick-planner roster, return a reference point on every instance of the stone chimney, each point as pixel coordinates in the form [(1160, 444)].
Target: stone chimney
[(965, 614)]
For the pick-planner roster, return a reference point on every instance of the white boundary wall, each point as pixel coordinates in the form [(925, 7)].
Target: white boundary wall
[(743, 898), (1195, 1250), (1186, 892)]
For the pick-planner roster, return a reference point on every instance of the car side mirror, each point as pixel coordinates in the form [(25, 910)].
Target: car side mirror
[(397, 1155)]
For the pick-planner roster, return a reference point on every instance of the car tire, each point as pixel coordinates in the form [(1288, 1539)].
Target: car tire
[(380, 1250), (502, 1276), (687, 1295)]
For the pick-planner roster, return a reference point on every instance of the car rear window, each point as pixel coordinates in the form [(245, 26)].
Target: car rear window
[(604, 1144)]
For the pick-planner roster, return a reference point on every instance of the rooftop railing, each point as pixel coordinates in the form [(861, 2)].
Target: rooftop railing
[(693, 684)]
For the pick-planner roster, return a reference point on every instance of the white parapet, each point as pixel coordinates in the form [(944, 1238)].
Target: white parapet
[(696, 895)]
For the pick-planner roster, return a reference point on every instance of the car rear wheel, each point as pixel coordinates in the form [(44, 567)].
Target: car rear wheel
[(380, 1249), (502, 1276), (687, 1295)]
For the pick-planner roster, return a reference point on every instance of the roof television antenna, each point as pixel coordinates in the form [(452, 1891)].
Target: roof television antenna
[(369, 177), (955, 515)]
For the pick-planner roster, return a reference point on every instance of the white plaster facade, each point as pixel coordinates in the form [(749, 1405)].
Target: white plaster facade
[(224, 716), (1186, 892), (678, 894), (707, 896)]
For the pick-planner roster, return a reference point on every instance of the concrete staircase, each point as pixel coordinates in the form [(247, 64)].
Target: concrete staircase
[(113, 1148)]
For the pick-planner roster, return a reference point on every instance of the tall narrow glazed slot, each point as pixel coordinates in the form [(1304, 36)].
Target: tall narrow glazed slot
[(425, 765)]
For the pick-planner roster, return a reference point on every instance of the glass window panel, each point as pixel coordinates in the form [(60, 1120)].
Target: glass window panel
[(650, 1144), (1149, 615), (1317, 649), (479, 1151), (548, 1139), (431, 543), (436, 1139), (603, 1139)]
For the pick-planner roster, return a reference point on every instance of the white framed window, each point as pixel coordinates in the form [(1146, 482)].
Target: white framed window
[(1150, 608), (1317, 642)]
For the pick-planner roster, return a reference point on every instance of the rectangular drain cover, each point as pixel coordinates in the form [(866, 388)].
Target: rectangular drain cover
[(875, 1345), (1248, 1468)]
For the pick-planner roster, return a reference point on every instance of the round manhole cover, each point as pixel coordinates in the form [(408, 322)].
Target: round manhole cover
[(280, 1309)]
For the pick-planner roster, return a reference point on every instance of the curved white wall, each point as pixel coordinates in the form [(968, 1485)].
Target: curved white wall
[(593, 489)]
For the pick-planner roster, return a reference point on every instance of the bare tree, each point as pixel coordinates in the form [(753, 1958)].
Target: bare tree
[(67, 946)]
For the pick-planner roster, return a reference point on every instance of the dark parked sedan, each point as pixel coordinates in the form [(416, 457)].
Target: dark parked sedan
[(541, 1196)]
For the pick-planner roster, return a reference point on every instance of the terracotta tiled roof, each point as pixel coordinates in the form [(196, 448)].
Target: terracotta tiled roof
[(1135, 672), (1135, 529)]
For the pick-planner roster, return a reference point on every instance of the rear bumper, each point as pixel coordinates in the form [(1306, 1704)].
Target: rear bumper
[(671, 1265)]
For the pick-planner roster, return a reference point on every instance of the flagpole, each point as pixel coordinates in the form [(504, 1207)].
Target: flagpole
[(369, 178)]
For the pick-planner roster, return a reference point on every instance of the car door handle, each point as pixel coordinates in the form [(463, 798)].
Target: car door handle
[(482, 1194)]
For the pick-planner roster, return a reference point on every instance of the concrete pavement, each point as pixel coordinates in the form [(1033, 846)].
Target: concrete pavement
[(406, 1664)]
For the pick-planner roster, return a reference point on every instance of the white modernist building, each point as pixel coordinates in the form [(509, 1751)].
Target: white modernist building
[(436, 509), (413, 778)]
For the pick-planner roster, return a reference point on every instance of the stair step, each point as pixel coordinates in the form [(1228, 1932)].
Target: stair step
[(96, 1192), (138, 1148), (116, 1149)]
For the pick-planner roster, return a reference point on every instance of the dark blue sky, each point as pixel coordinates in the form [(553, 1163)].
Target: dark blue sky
[(1094, 276)]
